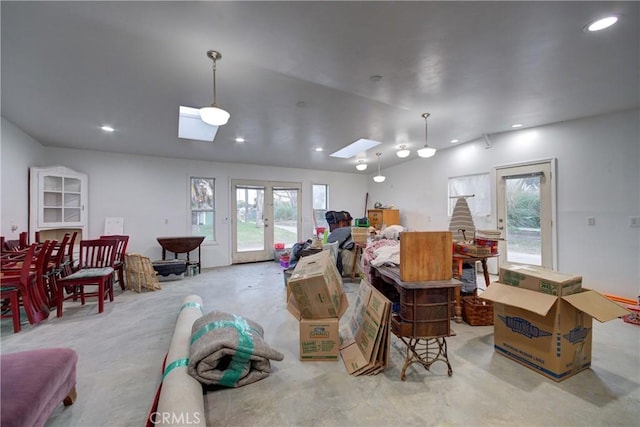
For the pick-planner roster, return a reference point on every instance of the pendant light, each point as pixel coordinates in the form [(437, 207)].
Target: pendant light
[(403, 152), (361, 165), (379, 177), (426, 151), (214, 115)]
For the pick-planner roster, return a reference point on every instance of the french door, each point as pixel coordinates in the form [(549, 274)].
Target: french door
[(525, 212), (267, 212)]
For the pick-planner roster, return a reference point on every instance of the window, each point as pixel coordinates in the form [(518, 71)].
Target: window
[(320, 204), (203, 207), (480, 204)]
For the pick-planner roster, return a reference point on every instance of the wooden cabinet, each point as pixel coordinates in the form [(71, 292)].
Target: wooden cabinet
[(386, 217), (58, 201)]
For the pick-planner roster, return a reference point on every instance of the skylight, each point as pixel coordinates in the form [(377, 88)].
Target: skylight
[(355, 148), (190, 126)]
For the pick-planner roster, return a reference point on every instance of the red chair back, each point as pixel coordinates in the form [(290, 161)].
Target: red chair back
[(97, 253), (121, 247)]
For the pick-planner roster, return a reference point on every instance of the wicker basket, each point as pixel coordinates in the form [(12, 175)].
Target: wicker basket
[(476, 311)]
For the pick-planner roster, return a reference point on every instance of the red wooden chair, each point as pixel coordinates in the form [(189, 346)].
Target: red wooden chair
[(95, 268), (20, 287), (121, 250), (55, 270), (69, 262)]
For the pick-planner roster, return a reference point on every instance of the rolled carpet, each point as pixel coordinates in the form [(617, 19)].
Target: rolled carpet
[(229, 350), (181, 401)]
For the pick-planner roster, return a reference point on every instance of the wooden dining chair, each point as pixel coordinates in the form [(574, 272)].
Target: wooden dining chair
[(55, 270), (13, 287), (95, 268), (23, 277), (121, 250), (69, 262)]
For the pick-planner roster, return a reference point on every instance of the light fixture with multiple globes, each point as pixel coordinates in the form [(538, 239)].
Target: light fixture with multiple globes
[(379, 177), (214, 115), (403, 152), (426, 151), (361, 166)]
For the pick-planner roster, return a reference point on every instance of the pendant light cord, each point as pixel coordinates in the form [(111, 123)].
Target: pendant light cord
[(214, 81)]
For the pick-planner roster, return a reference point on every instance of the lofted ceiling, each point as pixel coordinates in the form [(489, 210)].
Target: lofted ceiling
[(298, 75)]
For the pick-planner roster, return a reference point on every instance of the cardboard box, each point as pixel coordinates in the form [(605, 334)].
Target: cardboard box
[(359, 234), (549, 334), (540, 279), (319, 338), (316, 285), (364, 340)]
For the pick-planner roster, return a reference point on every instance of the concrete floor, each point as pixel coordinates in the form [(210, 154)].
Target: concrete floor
[(121, 353)]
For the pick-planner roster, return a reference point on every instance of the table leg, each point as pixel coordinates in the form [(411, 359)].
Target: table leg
[(425, 351), (355, 262), (485, 270), (458, 317)]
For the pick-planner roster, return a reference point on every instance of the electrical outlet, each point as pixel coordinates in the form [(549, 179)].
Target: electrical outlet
[(634, 221), (591, 220)]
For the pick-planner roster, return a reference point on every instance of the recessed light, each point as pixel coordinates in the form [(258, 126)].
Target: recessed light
[(239, 139), (516, 125), (107, 128), (319, 149), (453, 141), (601, 24), (375, 78)]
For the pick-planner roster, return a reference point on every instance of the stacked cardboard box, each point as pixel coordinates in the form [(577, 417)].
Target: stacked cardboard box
[(318, 301), (364, 340), (543, 319)]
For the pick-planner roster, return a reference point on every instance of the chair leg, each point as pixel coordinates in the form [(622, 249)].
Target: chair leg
[(59, 300), (121, 278), (100, 296), (14, 303)]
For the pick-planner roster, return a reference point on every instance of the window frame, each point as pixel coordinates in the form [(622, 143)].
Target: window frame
[(320, 222), (209, 238)]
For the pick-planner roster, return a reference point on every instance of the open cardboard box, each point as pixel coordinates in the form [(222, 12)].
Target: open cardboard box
[(549, 334), (319, 338)]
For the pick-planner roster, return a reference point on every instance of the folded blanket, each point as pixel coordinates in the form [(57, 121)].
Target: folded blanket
[(229, 350)]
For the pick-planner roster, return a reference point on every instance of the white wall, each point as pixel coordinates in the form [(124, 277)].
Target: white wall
[(146, 191), (598, 174), (18, 151), (598, 165)]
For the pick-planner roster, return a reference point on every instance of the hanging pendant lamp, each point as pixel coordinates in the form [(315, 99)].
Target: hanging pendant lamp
[(379, 177), (403, 152), (426, 151), (214, 115), (361, 165)]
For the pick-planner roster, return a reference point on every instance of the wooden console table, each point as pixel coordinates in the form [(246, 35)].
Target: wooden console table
[(181, 245), (424, 318)]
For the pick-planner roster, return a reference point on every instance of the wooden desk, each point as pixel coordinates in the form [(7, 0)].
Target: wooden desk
[(181, 245), (424, 318)]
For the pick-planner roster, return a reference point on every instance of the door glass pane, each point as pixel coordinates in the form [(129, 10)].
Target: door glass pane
[(249, 213), (285, 216), (522, 198)]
